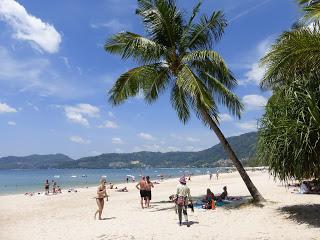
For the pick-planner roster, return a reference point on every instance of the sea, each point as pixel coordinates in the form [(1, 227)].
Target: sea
[(22, 181)]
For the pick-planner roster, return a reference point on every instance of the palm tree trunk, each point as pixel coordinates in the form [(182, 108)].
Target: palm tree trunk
[(257, 197)]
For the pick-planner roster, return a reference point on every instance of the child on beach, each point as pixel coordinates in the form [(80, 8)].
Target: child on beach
[(101, 194)]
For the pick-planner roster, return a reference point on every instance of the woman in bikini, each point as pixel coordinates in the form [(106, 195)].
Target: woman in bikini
[(101, 194)]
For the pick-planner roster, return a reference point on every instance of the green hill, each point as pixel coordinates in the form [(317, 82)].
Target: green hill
[(244, 146)]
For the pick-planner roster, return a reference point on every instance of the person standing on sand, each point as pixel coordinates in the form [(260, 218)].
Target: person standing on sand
[(148, 191), (183, 198), (210, 176), (101, 194), (142, 186), (46, 187), (54, 186)]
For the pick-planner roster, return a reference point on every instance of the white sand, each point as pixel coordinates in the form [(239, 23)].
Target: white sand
[(70, 215)]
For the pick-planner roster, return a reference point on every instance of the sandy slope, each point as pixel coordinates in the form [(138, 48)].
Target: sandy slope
[(70, 215)]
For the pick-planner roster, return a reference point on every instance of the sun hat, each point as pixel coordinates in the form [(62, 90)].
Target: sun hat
[(183, 179)]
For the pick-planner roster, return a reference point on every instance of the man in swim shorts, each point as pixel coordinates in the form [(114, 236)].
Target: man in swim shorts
[(142, 186)]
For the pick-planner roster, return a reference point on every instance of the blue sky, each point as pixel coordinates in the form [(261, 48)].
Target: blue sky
[(54, 77)]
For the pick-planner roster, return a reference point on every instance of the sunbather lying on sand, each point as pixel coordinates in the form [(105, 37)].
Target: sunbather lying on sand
[(122, 189)]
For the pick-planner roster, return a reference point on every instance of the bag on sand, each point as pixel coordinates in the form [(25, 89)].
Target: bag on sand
[(181, 201)]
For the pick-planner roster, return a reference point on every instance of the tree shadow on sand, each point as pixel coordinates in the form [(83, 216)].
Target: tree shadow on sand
[(303, 214)]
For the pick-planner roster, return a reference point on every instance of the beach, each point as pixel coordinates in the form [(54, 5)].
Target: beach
[(285, 215)]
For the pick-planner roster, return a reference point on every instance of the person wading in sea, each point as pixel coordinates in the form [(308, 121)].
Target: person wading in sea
[(142, 186)]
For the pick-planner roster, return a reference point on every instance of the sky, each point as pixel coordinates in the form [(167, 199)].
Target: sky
[(55, 76)]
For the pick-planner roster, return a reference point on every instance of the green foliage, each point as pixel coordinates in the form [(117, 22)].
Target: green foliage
[(175, 55), (311, 8), (296, 53), (289, 134)]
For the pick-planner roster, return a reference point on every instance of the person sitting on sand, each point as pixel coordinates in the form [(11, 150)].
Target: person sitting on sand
[(142, 186), (110, 186), (101, 194), (224, 194), (208, 200), (46, 187)]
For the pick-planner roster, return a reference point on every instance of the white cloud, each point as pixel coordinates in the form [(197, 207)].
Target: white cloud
[(248, 126), (79, 140), (117, 140), (173, 149), (111, 114), (146, 136), (254, 102), (37, 75), (224, 117), (118, 150), (254, 75), (66, 62), (33, 106), (191, 139), (114, 25), (5, 108), (11, 123), (153, 148), (255, 72), (80, 113), (29, 28), (109, 124)]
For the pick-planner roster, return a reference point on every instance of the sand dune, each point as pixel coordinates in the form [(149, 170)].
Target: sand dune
[(70, 215)]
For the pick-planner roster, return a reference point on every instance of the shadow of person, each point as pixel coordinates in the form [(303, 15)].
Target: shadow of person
[(190, 223), (108, 218), (303, 214)]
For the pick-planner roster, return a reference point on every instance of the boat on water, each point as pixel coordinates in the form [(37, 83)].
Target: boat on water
[(84, 176), (73, 176), (56, 176)]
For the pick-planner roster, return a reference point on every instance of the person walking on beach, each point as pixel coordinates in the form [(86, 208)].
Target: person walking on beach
[(101, 194), (183, 198), (210, 176), (46, 187), (142, 186), (54, 187), (148, 191)]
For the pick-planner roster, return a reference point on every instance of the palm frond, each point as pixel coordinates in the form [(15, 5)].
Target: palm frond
[(212, 63), (131, 45), (222, 94), (138, 80), (311, 8), (179, 103), (209, 30), (163, 21), (295, 53), (194, 87)]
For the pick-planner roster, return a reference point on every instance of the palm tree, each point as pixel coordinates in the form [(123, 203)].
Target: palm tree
[(177, 55), (295, 53), (312, 9)]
